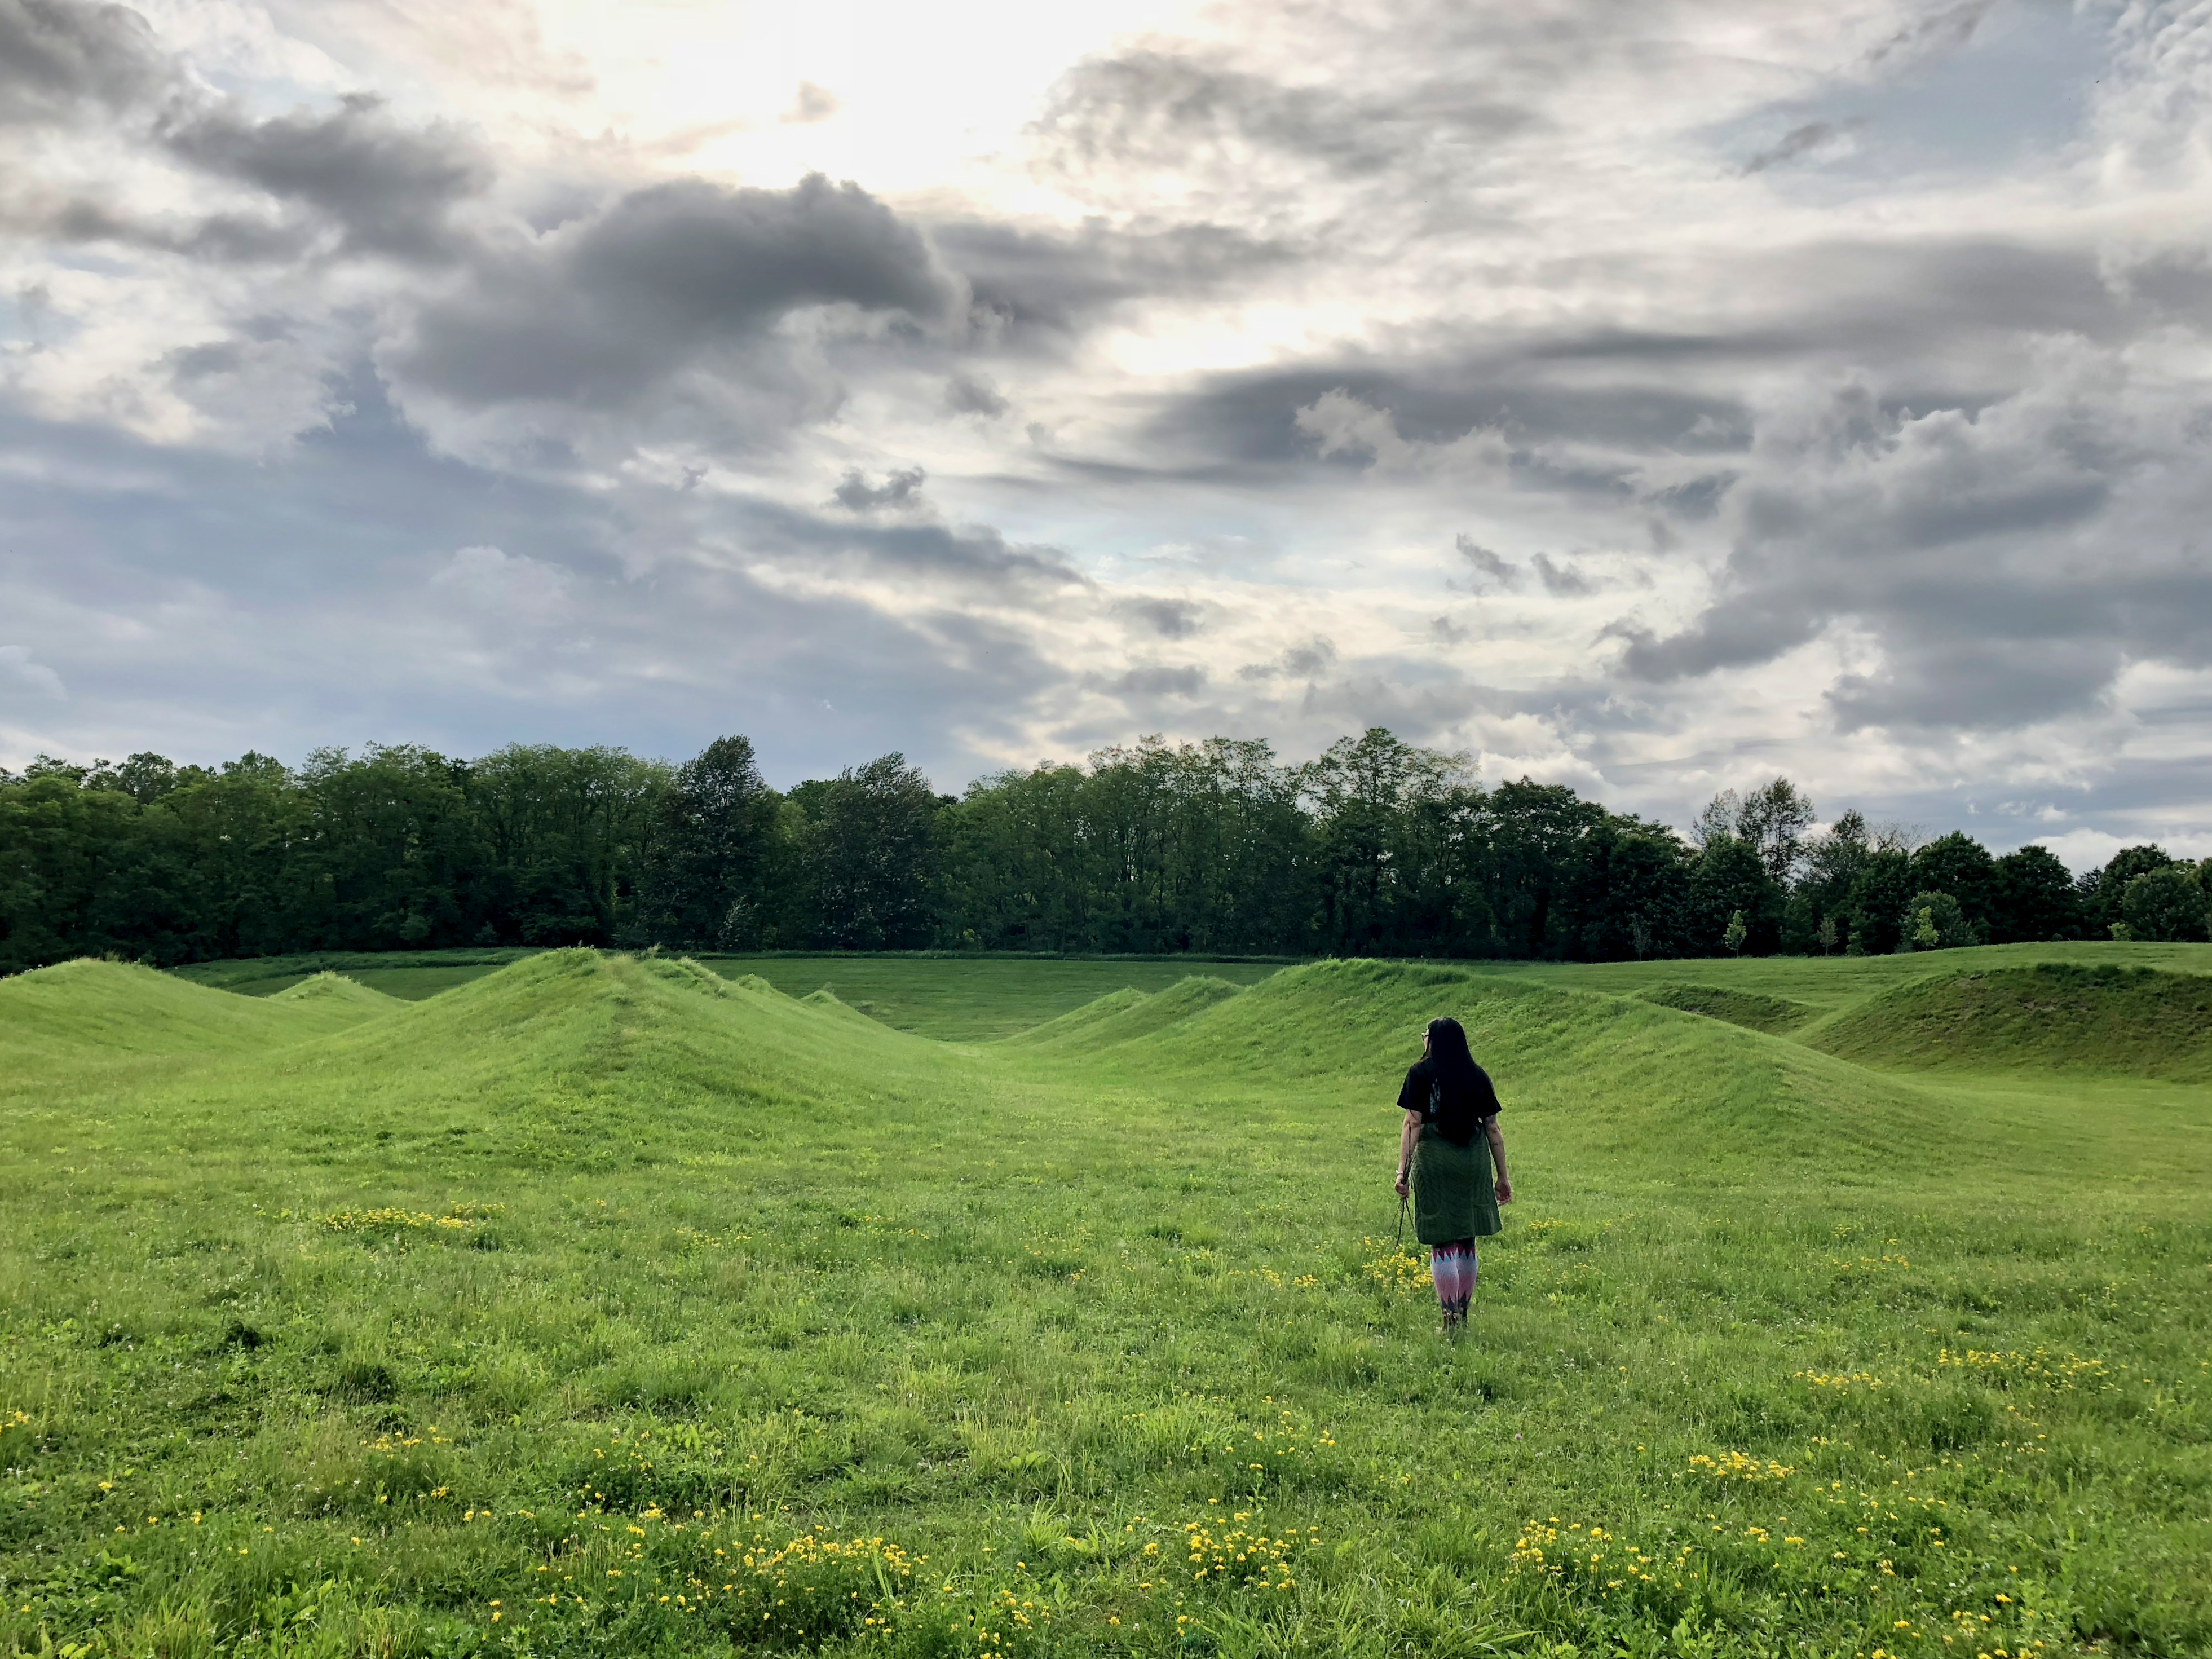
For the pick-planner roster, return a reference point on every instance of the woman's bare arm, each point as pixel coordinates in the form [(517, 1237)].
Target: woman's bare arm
[(1406, 1137), (1497, 1158)]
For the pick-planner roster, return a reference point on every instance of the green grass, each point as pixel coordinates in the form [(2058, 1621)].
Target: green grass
[(952, 998), (421, 973), (1748, 1009), (2058, 1016), (976, 998), (1832, 983), (335, 1326)]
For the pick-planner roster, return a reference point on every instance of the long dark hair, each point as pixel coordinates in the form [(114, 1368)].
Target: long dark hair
[(1452, 1065)]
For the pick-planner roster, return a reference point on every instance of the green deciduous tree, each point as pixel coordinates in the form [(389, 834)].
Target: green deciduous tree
[(1959, 865), (868, 849), (568, 830), (1934, 922), (1727, 879), (2103, 891), (712, 869), (1628, 891), (2036, 898), (1877, 899), (2166, 903)]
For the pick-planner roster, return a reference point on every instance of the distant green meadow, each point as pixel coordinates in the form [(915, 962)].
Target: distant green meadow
[(589, 1305)]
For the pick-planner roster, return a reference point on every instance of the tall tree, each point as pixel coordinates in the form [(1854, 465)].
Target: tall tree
[(392, 856), (1773, 818), (1831, 861), (1628, 893), (1876, 905), (2035, 899), (870, 854), (86, 870), (1382, 810), (1729, 880), (2166, 903), (2103, 891), (1959, 865), (568, 830), (711, 863), (1533, 832), (248, 825)]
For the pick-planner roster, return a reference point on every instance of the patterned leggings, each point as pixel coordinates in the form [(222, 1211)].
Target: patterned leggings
[(1455, 1267)]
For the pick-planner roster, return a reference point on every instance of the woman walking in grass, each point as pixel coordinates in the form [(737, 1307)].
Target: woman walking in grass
[(1446, 1152)]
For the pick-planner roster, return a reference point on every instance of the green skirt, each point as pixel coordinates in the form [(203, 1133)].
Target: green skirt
[(1453, 1194)]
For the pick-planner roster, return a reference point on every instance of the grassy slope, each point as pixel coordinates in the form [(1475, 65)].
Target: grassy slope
[(1749, 1009), (115, 1009), (976, 999), (1832, 983), (2131, 1022), (954, 999), (265, 975), (1029, 1311), (1126, 1015)]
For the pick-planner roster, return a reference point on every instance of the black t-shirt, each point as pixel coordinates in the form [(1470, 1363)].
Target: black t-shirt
[(1456, 1112)]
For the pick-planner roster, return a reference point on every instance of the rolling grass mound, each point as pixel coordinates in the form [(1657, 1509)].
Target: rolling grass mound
[(571, 1056), (827, 1001), (1077, 1022), (2122, 1022), (1124, 1016), (121, 1009), (329, 988), (1611, 1077), (1749, 1009)]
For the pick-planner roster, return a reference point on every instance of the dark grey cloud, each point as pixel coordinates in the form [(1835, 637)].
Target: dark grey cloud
[(1561, 581), (384, 187), (387, 186), (1159, 682), (1171, 619), (1487, 565), (1977, 684), (962, 560), (1939, 320), (1300, 662), (1745, 629), (1983, 553), (1941, 28), (659, 281), (283, 602), (1798, 141), (974, 394), (901, 488), (1033, 287), (1249, 418), (61, 61)]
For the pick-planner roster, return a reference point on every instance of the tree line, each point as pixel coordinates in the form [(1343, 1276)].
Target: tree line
[(1377, 848)]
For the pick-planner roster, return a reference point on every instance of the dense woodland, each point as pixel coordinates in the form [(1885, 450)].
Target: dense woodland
[(1377, 848)]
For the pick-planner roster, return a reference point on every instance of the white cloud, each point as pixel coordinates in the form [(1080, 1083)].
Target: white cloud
[(511, 586), (1341, 424)]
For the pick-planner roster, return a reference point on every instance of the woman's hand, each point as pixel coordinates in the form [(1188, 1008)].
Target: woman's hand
[(1402, 1184), (1505, 1190)]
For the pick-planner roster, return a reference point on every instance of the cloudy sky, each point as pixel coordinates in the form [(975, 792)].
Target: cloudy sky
[(1650, 399)]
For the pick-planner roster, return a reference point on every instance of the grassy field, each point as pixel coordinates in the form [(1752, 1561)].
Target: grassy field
[(603, 1306), (952, 998)]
